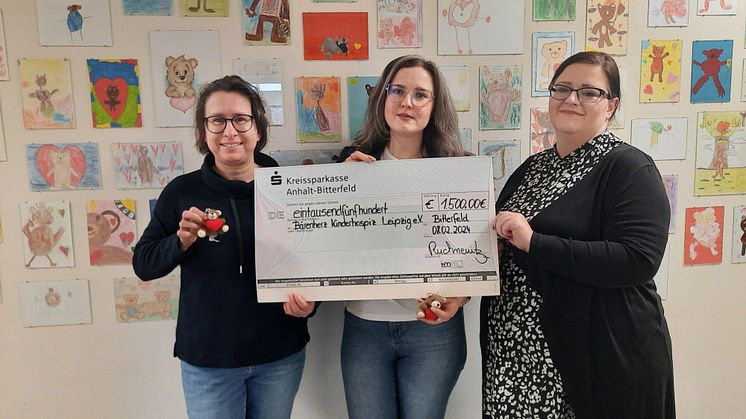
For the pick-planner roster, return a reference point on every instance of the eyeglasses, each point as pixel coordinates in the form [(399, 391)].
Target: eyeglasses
[(420, 97), (585, 94), (217, 124)]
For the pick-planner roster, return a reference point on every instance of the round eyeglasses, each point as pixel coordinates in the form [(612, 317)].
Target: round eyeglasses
[(217, 124), (585, 94), (420, 97)]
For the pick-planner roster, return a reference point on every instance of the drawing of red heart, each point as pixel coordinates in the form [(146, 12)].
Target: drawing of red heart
[(50, 161), (126, 238), (648, 90), (65, 250), (671, 78), (183, 103), (96, 256), (112, 94)]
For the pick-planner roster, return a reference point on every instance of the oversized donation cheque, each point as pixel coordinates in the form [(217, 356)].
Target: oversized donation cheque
[(388, 229)]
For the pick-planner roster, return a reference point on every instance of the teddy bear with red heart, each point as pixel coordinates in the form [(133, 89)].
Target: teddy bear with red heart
[(213, 225)]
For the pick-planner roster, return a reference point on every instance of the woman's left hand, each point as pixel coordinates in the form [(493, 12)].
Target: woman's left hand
[(297, 306), (446, 311), (513, 227)]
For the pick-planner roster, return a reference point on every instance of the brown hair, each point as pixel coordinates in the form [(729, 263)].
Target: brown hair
[(601, 59)]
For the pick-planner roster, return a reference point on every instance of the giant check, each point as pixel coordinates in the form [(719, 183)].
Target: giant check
[(388, 229)]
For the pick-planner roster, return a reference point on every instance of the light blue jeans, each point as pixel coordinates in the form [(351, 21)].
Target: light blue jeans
[(403, 370), (264, 391)]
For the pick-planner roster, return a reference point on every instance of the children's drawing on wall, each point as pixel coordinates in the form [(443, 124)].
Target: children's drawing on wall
[(115, 93), (500, 97), (136, 300), (53, 303), (266, 22), (660, 71), (205, 8), (703, 236), (358, 91), (266, 75), (458, 80), (739, 234), (671, 184), (79, 23), (304, 157), (543, 10), (716, 7), (46, 93), (607, 26), (661, 277), (335, 36), (335, 1), (668, 13), (712, 65), (474, 27), (464, 135), (147, 7), (3, 151), (506, 157), (549, 50), (660, 138), (721, 153), (181, 62), (4, 74), (111, 231), (319, 108), (146, 165), (63, 167), (542, 133), (47, 234), (399, 23)]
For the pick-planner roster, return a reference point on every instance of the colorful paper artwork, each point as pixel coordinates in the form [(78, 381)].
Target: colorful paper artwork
[(544, 10), (82, 23), (660, 138), (181, 62), (542, 133), (668, 13), (204, 8), (304, 157), (458, 80), (716, 7), (739, 234), (549, 50), (53, 303), (660, 71), (3, 151), (319, 108), (703, 236), (506, 157), (671, 184), (46, 93), (399, 23), (335, 36), (115, 93), (47, 232), (266, 75), (661, 277), (148, 7), (359, 89), (266, 22), (111, 231), (63, 167), (4, 73), (607, 26), (721, 153), (712, 65), (464, 135), (146, 165), (500, 97), (136, 300), (480, 28)]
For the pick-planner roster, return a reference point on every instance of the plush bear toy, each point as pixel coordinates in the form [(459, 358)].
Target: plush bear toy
[(213, 225), (424, 308)]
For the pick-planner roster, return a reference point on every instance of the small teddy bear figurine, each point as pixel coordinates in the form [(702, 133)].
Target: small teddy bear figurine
[(424, 308), (213, 225)]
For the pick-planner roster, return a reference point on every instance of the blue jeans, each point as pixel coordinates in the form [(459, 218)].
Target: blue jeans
[(264, 391), (401, 370)]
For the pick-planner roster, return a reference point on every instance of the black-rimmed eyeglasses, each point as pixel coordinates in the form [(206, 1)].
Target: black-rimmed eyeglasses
[(217, 124), (585, 94), (420, 97)]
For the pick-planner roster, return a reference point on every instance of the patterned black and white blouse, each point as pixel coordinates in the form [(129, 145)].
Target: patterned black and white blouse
[(519, 377)]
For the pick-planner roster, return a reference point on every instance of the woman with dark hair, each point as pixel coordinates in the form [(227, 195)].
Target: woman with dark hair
[(238, 358), (395, 365), (578, 328)]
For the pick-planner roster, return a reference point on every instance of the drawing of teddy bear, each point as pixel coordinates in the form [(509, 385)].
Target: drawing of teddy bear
[(161, 306), (553, 53), (130, 308), (705, 231), (180, 76)]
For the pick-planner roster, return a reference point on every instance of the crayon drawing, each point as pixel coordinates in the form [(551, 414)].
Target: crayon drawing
[(266, 75), (204, 8), (660, 71), (79, 23), (712, 65), (63, 167), (3, 151), (660, 138), (668, 13), (716, 7), (465, 137), (146, 165), (358, 91), (115, 93), (607, 26), (721, 153), (304, 157), (266, 22), (111, 231), (671, 184), (53, 303), (703, 236), (335, 36), (506, 157), (549, 50), (319, 108), (543, 10), (739, 234), (399, 23), (479, 27), (47, 232), (136, 300), (148, 7), (458, 80), (4, 73), (335, 1), (46, 93), (500, 97), (542, 133)]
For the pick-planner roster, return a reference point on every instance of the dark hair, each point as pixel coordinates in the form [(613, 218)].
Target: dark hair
[(601, 59), (230, 84), (440, 137)]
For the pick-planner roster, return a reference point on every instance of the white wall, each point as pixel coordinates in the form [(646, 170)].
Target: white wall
[(113, 370)]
